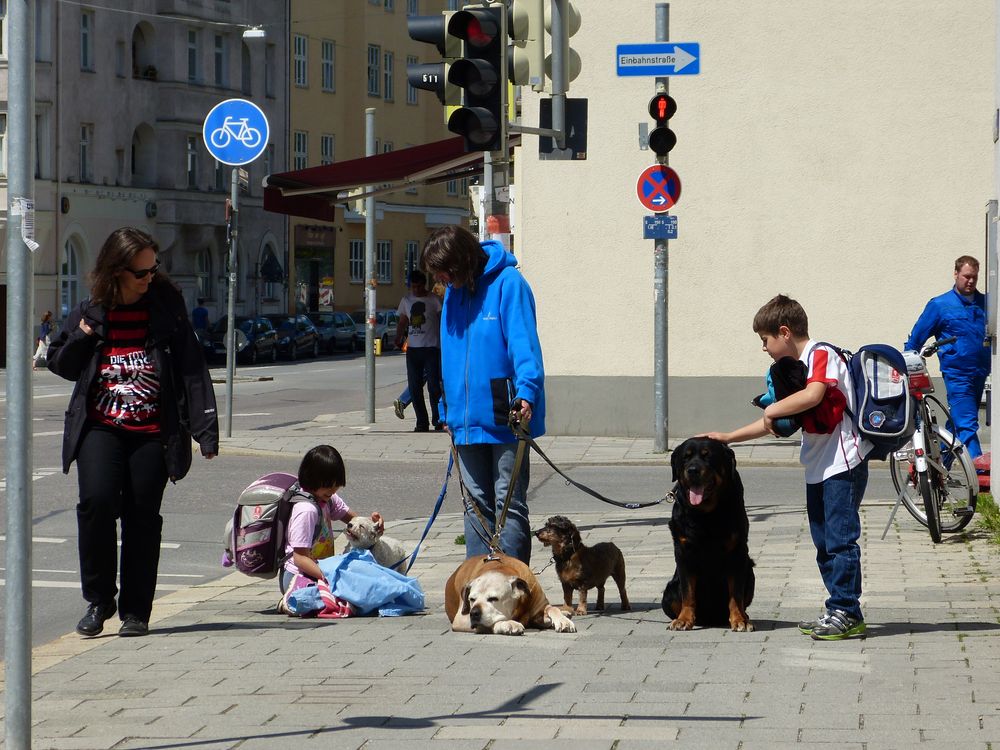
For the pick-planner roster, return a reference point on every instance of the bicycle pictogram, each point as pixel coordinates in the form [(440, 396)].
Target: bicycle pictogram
[(237, 128)]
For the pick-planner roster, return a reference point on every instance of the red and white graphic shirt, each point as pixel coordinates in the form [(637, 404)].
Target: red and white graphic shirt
[(830, 444), (126, 392)]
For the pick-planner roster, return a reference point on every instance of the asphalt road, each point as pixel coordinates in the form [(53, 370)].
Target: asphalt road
[(196, 509)]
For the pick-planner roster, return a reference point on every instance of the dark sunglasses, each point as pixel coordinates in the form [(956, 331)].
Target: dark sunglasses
[(143, 273)]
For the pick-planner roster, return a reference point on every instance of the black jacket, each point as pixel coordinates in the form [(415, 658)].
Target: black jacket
[(187, 401)]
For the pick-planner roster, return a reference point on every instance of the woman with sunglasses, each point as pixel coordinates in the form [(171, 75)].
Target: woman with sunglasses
[(142, 390)]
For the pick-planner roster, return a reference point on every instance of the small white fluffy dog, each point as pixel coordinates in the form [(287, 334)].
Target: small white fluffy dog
[(362, 533)]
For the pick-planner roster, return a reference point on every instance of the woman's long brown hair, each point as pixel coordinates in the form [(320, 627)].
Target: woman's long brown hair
[(455, 251), (121, 246)]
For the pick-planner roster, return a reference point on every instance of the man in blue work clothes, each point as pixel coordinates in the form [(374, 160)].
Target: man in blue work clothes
[(959, 312)]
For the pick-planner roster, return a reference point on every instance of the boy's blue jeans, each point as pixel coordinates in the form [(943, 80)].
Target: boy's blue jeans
[(486, 470), (835, 524)]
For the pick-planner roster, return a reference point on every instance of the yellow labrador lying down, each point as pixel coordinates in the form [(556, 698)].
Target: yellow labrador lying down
[(499, 594)]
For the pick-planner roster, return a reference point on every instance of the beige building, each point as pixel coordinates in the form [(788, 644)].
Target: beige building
[(841, 154), (120, 97), (347, 57)]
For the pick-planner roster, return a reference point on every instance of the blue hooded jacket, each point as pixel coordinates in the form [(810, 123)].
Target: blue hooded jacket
[(950, 314), (490, 353)]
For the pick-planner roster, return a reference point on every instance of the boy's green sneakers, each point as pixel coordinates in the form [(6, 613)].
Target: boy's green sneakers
[(836, 626), (806, 627)]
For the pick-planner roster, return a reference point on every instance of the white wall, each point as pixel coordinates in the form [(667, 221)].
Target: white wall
[(839, 153)]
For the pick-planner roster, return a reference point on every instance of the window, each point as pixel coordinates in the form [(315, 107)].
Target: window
[(269, 58), (389, 89), (412, 256), (301, 153), (453, 4), (192, 56), (383, 261), (86, 39), (119, 166), (86, 138), (3, 143), (43, 30), (69, 276), (301, 58), (374, 74), (328, 53), (390, 5), (451, 187), (43, 161), (356, 261), (411, 91), (220, 176), (269, 159), (326, 145), (192, 161), (412, 7), (203, 274), (220, 59)]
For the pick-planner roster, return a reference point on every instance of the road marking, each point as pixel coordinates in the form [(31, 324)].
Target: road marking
[(35, 475), (74, 572), (39, 540), (39, 434), (76, 585)]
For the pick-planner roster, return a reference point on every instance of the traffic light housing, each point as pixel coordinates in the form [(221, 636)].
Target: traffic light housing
[(662, 138), (434, 76), (526, 54), (481, 75), (569, 22)]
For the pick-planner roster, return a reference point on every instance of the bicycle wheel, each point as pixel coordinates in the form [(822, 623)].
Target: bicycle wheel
[(932, 511), (960, 487)]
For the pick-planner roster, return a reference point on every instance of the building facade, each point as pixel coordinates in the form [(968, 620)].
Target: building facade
[(121, 95), (346, 58)]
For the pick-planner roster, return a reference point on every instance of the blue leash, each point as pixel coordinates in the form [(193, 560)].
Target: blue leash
[(430, 521)]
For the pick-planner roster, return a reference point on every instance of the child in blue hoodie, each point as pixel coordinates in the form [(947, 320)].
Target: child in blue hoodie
[(491, 362)]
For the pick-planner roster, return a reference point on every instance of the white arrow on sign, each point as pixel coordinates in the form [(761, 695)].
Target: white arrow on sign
[(682, 58), (658, 200)]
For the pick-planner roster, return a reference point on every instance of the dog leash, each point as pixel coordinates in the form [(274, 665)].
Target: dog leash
[(430, 521), (524, 437)]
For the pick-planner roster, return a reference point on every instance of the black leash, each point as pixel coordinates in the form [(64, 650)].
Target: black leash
[(525, 437)]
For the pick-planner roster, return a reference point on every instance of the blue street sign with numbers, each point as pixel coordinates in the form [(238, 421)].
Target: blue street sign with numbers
[(659, 59), (235, 132), (660, 227)]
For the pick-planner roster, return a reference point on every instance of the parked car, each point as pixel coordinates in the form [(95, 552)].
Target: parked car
[(385, 328), (296, 335), (256, 339), (336, 330)]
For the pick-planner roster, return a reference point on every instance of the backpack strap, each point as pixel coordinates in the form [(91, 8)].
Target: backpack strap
[(295, 494), (846, 355)]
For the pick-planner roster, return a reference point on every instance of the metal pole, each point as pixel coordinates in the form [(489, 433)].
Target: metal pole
[(370, 276), (231, 302), (660, 428), (20, 285), (560, 68)]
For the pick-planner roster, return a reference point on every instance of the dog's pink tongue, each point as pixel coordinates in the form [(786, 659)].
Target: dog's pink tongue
[(695, 496)]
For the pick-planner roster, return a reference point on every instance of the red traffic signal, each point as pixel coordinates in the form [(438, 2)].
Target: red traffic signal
[(662, 108), (479, 74)]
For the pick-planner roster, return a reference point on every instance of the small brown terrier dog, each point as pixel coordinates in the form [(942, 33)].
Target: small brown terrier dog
[(581, 567)]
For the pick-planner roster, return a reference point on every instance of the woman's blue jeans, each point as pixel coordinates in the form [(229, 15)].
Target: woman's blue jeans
[(486, 470), (835, 524)]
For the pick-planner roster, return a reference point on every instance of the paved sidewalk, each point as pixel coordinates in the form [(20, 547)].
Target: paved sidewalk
[(221, 671)]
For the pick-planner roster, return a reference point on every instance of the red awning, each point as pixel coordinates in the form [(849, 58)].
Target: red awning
[(312, 193)]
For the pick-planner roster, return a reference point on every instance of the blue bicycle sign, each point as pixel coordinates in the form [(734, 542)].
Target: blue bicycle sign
[(235, 132)]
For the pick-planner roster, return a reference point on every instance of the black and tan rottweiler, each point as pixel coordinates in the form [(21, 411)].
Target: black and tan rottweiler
[(580, 567), (713, 583)]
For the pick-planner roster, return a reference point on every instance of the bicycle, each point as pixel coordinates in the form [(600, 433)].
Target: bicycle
[(933, 474), (235, 128)]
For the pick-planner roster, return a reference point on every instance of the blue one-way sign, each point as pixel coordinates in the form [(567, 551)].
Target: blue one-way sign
[(659, 59)]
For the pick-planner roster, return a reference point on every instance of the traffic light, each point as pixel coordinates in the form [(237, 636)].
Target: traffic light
[(481, 75), (526, 54), (434, 76), (662, 138), (569, 21)]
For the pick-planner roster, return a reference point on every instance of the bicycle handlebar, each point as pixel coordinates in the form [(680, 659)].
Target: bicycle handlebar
[(932, 348)]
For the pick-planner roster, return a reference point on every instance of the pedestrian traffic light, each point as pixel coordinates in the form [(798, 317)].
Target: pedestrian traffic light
[(662, 138), (434, 76), (526, 55), (481, 75)]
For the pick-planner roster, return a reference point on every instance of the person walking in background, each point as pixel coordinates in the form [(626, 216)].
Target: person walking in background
[(491, 366), (419, 324), (959, 312), (42, 343), (199, 316), (141, 384)]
